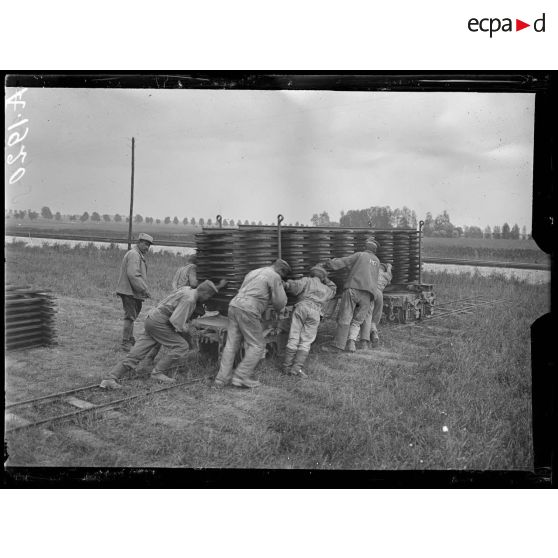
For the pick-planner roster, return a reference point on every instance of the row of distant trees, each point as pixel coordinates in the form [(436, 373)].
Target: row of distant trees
[(385, 217), (441, 226), (377, 217)]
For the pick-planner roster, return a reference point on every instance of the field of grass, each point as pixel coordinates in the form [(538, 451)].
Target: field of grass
[(109, 230), (469, 373), (461, 248), (501, 250)]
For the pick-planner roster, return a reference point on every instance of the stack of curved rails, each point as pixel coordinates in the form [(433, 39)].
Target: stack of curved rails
[(232, 253), (29, 317)]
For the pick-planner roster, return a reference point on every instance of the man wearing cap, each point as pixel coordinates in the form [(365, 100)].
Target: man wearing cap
[(359, 289), (259, 288), (165, 325), (312, 294), (132, 286)]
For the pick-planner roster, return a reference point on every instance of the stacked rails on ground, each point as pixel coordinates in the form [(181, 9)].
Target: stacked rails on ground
[(232, 253), (29, 318)]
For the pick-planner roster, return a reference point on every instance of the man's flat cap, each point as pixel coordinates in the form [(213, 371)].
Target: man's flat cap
[(146, 237), (372, 244)]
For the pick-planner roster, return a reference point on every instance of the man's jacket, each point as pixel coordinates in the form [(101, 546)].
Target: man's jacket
[(363, 271), (133, 275), (177, 307), (312, 291), (259, 288), (185, 277)]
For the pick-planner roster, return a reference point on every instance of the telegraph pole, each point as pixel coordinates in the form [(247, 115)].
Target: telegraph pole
[(131, 200)]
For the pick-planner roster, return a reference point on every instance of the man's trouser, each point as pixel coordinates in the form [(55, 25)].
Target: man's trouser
[(247, 326), (158, 331), (353, 308), (373, 316), (132, 308), (304, 327)]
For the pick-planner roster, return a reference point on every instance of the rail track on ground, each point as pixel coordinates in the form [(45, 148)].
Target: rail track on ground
[(457, 306), (92, 401)]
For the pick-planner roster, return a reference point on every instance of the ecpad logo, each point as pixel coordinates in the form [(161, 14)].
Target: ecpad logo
[(494, 24)]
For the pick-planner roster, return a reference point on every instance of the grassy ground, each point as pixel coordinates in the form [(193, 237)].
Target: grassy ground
[(382, 409)]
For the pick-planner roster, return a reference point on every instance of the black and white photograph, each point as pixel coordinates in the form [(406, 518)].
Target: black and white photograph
[(271, 272)]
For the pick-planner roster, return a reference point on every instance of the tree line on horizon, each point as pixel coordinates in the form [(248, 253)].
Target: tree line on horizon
[(377, 217), (384, 217), (96, 217)]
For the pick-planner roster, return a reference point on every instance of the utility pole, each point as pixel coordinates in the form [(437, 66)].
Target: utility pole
[(131, 200)]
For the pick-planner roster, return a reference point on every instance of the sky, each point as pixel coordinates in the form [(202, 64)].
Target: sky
[(254, 154)]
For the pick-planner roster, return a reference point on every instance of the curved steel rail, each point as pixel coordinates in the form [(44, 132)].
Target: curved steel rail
[(103, 406)]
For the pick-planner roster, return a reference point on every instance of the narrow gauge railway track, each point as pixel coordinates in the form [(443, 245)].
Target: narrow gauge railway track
[(81, 407), (454, 307)]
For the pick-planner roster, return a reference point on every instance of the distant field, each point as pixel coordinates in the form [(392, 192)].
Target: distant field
[(461, 248), (484, 249), (459, 398), (115, 230)]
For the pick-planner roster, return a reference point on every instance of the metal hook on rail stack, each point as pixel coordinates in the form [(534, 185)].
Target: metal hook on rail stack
[(219, 220), (280, 219)]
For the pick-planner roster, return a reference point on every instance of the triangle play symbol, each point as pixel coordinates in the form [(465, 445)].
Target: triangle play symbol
[(519, 25)]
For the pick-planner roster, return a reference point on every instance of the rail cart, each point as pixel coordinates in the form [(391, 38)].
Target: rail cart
[(230, 253)]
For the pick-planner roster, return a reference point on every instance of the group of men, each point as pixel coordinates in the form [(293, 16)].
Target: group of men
[(166, 324)]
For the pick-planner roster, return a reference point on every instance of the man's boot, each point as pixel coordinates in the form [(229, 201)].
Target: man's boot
[(300, 359), (363, 345), (351, 346), (288, 360), (375, 338), (116, 373), (160, 377), (341, 335), (127, 335)]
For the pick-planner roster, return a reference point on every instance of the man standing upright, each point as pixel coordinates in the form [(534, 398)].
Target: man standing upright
[(132, 286), (259, 288), (359, 289)]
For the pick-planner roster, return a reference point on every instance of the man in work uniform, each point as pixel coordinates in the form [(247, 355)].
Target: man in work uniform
[(132, 286), (369, 328), (359, 289), (259, 288), (165, 326), (186, 276), (312, 294)]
